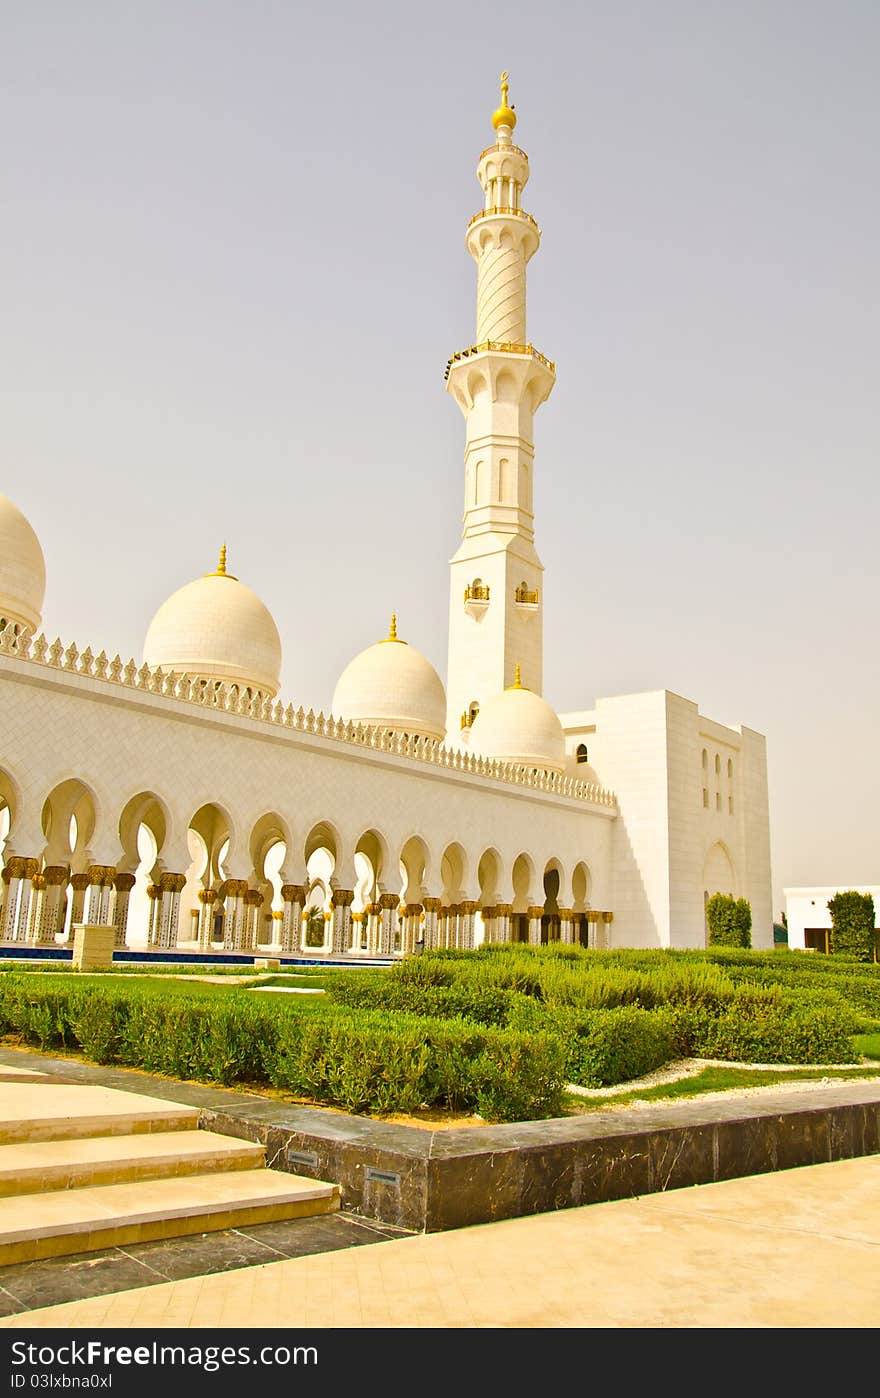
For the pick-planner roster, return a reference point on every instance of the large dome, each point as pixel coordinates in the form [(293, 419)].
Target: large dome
[(22, 569), (218, 629), (392, 685), (519, 726)]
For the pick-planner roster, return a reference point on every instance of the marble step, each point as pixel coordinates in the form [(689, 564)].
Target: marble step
[(35, 1167), (43, 1111), (65, 1221)]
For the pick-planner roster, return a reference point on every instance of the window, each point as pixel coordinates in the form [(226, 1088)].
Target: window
[(705, 758), (718, 800), (582, 755), (717, 765), (705, 796)]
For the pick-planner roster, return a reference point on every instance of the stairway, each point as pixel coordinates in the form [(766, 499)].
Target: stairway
[(83, 1168)]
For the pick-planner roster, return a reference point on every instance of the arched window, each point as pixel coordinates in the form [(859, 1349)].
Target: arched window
[(730, 769), (705, 758), (717, 765), (582, 755)]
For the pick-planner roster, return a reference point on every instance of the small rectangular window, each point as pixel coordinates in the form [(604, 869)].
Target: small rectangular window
[(705, 796)]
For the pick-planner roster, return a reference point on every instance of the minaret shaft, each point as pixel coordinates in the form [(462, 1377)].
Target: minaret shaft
[(496, 593)]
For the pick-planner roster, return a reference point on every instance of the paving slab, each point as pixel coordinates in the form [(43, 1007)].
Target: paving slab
[(711, 1256)]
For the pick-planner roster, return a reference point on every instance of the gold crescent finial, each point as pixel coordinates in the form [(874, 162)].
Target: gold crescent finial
[(504, 87)]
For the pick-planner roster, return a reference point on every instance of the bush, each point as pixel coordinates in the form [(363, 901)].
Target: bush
[(764, 1026), (729, 921), (852, 925)]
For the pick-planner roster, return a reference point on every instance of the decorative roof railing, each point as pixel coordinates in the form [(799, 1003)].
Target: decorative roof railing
[(503, 150), (229, 699), (496, 347)]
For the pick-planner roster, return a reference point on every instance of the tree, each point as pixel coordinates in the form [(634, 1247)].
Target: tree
[(852, 925), (729, 921)]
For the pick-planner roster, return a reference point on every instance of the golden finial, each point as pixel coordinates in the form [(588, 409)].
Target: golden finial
[(504, 115), (220, 571), (392, 631), (517, 679)]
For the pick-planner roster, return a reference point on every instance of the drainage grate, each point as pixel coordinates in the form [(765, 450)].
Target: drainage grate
[(382, 1176), (302, 1157)]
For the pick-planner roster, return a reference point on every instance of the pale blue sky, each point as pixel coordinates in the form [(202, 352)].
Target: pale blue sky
[(232, 268)]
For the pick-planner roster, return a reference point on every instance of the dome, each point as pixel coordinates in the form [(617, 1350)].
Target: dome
[(519, 726), (392, 685), (22, 569), (218, 629)]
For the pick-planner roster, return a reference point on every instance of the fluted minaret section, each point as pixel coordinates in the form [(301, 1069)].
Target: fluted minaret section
[(501, 294)]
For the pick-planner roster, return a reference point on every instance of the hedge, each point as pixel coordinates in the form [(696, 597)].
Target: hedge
[(356, 1059)]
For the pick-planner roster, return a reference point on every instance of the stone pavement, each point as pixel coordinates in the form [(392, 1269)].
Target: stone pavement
[(798, 1248)]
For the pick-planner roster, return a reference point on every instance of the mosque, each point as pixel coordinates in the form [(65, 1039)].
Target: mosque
[(182, 801)]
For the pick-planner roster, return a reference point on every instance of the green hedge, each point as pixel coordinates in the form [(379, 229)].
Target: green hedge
[(357, 1059)]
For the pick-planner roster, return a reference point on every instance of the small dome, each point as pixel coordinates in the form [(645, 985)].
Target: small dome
[(392, 685), (22, 569), (519, 726), (218, 629), (504, 115)]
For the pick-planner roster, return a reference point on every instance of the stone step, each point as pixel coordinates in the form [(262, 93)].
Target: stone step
[(64, 1221), (44, 1111), (35, 1167)]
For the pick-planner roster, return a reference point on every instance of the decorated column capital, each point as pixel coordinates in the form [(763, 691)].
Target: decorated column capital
[(124, 882), (207, 895), (431, 905), (254, 898), (293, 893), (101, 875), (172, 883), (341, 897), (80, 882)]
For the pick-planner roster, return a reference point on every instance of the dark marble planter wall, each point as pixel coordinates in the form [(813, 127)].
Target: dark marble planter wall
[(430, 1181)]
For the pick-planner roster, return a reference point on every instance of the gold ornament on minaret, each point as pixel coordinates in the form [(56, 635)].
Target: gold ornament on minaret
[(504, 115)]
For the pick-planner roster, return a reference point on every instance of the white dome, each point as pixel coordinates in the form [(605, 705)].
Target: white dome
[(392, 685), (22, 569), (218, 629), (519, 726)]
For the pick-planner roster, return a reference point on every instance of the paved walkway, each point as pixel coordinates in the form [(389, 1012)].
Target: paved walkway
[(800, 1248)]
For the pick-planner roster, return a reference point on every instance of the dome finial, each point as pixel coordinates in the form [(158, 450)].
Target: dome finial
[(505, 114), (517, 678), (221, 566), (392, 629)]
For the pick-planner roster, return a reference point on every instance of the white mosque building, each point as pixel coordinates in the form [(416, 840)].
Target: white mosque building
[(181, 800)]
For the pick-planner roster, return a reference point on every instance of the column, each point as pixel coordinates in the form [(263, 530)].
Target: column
[(195, 915), (410, 914), (503, 914), (253, 902), (387, 902), (373, 914), (170, 886), (123, 884), (442, 927), (78, 885), (432, 914), (233, 926), (341, 900), (535, 914), (153, 893), (294, 896), (452, 913), (607, 919), (101, 878), (54, 884), (38, 888), (207, 898), (12, 881), (489, 928), (566, 926), (466, 910), (30, 868)]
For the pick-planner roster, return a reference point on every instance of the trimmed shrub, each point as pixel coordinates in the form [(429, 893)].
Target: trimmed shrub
[(729, 921), (852, 925)]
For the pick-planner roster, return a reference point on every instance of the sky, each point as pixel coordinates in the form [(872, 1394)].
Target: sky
[(232, 269)]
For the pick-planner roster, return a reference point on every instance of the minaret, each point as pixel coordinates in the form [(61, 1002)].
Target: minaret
[(496, 602)]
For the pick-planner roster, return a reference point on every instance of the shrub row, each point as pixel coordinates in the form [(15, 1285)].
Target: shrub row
[(359, 1060)]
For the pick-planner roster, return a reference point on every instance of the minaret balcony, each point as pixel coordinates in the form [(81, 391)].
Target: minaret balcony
[(499, 347), (504, 210), (526, 599), (476, 598)]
